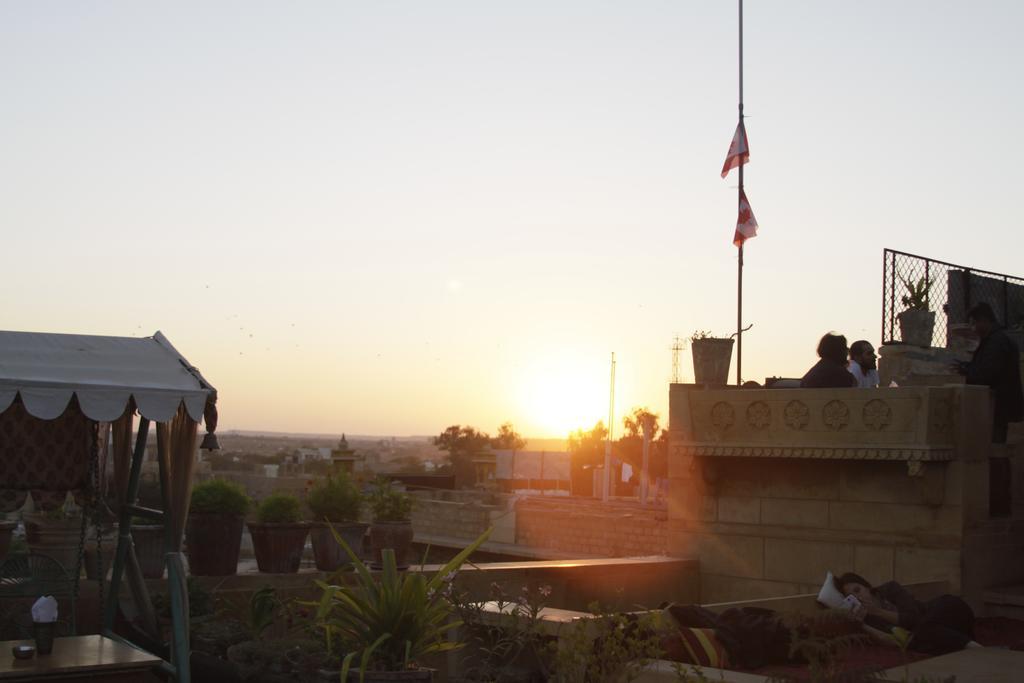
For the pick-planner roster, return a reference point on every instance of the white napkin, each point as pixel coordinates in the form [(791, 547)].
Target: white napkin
[(44, 610)]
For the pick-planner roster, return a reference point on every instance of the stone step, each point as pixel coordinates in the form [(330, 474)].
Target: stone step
[(1005, 601)]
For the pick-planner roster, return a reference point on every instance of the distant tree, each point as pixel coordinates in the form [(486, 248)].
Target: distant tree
[(407, 464), (508, 438), (461, 444), (587, 446), (586, 450), (630, 446)]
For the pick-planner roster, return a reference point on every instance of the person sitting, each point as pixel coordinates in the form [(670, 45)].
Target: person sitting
[(939, 626), (863, 364), (830, 371)]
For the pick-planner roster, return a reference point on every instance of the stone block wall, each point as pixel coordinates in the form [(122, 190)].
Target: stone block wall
[(767, 528), (452, 518), (590, 527), (770, 489)]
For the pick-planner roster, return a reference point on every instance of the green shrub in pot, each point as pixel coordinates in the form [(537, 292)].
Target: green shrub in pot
[(279, 508), (215, 521), (279, 534), (335, 499)]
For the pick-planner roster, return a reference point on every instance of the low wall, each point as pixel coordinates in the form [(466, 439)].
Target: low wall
[(772, 488), (591, 527), (462, 518)]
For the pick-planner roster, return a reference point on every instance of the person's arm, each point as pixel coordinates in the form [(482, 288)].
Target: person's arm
[(908, 610)]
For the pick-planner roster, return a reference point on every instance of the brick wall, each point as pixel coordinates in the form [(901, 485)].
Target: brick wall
[(590, 527)]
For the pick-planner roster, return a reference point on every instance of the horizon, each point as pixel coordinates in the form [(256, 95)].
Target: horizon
[(393, 218)]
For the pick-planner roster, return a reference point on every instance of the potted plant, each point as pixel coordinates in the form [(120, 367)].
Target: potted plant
[(391, 623), (392, 521), (57, 533), (215, 527), (917, 322), (337, 500), (711, 358), (279, 534)]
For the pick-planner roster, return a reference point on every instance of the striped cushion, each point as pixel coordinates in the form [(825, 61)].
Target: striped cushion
[(702, 648)]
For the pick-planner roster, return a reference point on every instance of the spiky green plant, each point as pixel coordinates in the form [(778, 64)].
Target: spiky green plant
[(390, 623)]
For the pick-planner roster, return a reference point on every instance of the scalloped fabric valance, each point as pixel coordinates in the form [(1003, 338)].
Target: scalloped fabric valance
[(104, 373)]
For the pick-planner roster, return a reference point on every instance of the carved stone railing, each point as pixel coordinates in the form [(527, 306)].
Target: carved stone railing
[(912, 424)]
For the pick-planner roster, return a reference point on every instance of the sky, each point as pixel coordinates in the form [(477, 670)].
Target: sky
[(390, 217)]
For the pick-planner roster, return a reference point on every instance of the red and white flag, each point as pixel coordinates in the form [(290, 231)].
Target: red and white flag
[(746, 224), (739, 151)]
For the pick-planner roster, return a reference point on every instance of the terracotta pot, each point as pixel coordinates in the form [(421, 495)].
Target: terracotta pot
[(60, 539), (917, 326), (711, 358), (394, 535), (6, 529), (149, 549), (278, 547), (213, 544), (327, 552)]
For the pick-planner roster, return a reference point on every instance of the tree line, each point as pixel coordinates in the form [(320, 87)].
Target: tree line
[(585, 446)]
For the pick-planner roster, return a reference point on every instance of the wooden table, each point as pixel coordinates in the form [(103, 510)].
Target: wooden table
[(78, 658)]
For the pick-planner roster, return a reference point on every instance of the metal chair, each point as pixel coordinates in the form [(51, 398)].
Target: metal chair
[(23, 579)]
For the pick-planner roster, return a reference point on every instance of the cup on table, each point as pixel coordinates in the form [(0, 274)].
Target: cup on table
[(43, 632)]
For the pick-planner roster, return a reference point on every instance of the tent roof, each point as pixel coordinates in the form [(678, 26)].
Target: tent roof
[(104, 372)]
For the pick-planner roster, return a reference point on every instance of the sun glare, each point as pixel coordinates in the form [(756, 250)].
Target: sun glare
[(560, 398)]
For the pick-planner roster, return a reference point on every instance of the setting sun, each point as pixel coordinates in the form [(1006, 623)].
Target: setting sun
[(558, 397)]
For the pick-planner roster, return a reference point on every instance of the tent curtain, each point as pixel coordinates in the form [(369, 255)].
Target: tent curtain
[(121, 451), (176, 448), (47, 457)]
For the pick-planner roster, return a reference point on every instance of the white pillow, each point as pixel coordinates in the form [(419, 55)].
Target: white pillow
[(829, 595)]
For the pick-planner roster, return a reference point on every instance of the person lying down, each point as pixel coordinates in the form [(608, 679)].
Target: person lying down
[(937, 626)]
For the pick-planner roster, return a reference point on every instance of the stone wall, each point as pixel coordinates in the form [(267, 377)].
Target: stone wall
[(772, 488), (462, 518), (590, 527)]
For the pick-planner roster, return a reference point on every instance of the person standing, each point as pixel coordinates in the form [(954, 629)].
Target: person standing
[(863, 364), (996, 364)]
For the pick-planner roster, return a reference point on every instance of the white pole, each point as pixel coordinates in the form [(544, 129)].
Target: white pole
[(608, 439), (647, 460)]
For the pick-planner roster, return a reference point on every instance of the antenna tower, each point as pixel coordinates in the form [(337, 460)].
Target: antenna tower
[(678, 346)]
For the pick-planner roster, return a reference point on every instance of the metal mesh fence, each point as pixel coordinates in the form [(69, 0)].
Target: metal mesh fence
[(951, 291)]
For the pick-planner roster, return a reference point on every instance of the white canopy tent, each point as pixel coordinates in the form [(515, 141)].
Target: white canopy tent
[(103, 372), (56, 385)]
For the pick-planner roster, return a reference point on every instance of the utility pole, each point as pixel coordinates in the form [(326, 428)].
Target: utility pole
[(608, 438)]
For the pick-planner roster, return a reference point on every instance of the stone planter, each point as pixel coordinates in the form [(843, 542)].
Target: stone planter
[(60, 539), (213, 544), (327, 552), (278, 547), (6, 530), (394, 535), (711, 358), (149, 549), (917, 326)]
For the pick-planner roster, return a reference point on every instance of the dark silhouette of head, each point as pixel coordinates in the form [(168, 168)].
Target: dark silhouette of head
[(832, 347), (982, 319), (848, 578)]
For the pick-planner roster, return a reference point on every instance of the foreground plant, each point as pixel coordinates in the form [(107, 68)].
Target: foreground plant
[(392, 622)]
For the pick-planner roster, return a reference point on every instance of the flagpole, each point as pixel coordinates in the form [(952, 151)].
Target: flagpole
[(739, 260)]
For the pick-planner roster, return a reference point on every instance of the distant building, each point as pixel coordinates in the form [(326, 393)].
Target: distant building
[(345, 459), (530, 470)]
